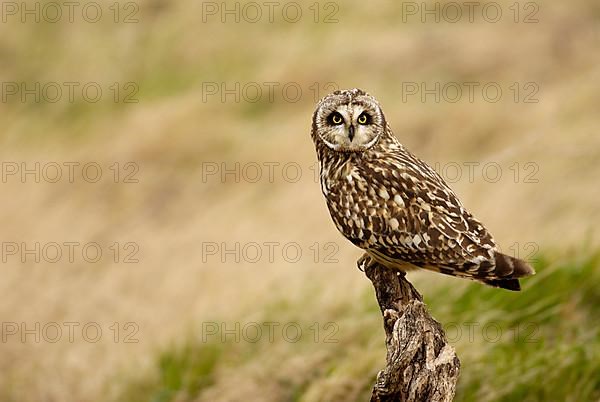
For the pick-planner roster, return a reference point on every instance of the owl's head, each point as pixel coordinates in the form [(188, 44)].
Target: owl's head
[(349, 120)]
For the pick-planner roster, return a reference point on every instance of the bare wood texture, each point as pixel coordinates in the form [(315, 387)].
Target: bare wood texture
[(421, 365)]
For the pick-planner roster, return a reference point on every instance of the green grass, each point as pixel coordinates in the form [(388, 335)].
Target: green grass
[(551, 350), (536, 345), (181, 371)]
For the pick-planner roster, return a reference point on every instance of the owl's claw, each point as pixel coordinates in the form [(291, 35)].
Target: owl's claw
[(364, 262)]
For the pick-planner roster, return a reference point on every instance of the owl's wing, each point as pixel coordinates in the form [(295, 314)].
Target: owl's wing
[(420, 221)]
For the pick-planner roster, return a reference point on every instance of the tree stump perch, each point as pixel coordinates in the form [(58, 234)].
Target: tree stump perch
[(421, 365)]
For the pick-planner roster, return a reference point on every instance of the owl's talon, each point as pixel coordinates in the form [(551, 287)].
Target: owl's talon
[(361, 264), (364, 262)]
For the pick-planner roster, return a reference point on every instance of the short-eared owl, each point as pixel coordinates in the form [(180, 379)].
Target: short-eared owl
[(393, 205)]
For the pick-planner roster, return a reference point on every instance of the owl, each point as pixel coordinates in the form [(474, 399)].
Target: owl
[(392, 204)]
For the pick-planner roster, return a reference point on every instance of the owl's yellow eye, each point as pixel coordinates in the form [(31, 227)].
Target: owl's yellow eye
[(363, 118), (335, 118)]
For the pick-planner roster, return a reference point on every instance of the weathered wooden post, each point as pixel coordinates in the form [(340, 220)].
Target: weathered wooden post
[(421, 365)]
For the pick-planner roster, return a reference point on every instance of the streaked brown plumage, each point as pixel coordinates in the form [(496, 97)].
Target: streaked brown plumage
[(393, 205)]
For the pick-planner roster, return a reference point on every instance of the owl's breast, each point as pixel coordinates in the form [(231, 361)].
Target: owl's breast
[(358, 207)]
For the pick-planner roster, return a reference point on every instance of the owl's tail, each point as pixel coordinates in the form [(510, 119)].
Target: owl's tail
[(508, 269)]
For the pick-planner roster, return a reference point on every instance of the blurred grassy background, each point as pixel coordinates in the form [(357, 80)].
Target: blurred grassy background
[(175, 129)]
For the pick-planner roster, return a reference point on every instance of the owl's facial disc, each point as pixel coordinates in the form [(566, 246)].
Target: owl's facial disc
[(350, 128), (349, 121)]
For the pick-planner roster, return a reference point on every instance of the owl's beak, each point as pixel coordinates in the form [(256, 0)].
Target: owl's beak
[(351, 132)]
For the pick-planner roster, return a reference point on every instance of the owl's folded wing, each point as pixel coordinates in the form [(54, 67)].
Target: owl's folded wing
[(423, 223)]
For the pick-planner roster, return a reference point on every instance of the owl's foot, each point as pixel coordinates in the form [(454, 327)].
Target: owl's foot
[(364, 262)]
